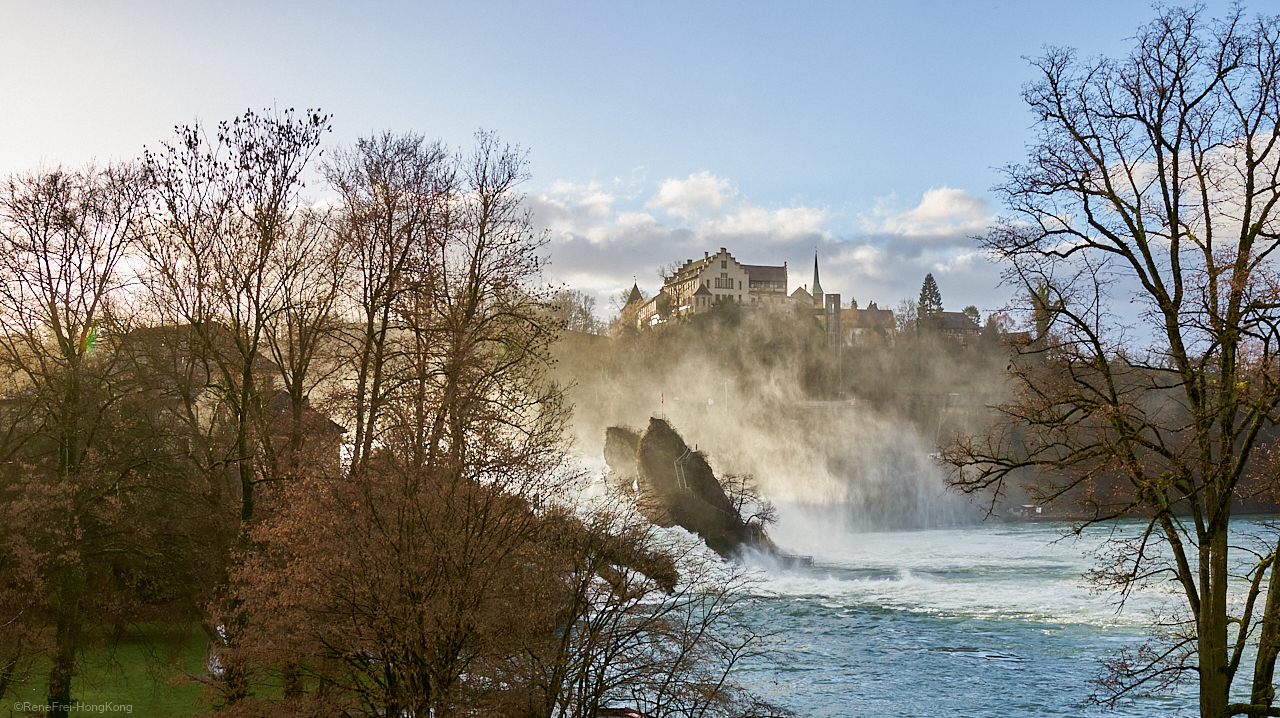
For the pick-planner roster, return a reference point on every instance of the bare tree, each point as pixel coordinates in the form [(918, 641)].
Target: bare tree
[(395, 193), (575, 310), (1155, 176), (222, 256), (64, 239), (644, 619), (668, 270), (225, 209), (423, 544), (560, 614), (756, 511), (905, 315), (300, 335)]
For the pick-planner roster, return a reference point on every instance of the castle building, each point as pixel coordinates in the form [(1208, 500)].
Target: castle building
[(720, 274), (700, 284)]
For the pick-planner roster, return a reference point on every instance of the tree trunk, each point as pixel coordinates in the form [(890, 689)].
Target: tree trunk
[(244, 462), (1211, 625), (1264, 667), (69, 620)]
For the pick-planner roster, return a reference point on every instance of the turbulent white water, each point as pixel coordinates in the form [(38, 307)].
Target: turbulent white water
[(956, 616), (979, 620)]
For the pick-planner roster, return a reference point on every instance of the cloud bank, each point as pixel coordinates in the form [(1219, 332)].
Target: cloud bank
[(604, 236)]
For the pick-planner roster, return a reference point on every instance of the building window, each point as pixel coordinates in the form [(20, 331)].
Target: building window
[(724, 264)]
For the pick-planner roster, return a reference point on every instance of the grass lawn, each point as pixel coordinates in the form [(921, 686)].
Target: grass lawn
[(142, 673)]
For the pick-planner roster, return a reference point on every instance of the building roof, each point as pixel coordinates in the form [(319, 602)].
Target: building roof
[(958, 322), (765, 273), (870, 318), (802, 295), (817, 286), (652, 302), (1017, 337), (634, 296), (702, 289), (690, 269)]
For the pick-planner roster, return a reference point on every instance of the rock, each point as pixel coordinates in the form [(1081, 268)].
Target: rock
[(620, 446), (702, 507)]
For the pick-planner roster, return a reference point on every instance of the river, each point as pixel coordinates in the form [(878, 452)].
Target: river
[(992, 619)]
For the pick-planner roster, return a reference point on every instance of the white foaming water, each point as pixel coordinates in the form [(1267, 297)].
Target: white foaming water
[(1013, 570), (956, 617), (981, 620)]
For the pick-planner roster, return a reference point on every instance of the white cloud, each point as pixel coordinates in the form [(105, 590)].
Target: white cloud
[(942, 211), (566, 207), (592, 196), (784, 223), (697, 194), (868, 272)]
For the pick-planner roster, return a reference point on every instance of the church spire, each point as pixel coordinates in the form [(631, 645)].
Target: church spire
[(817, 286)]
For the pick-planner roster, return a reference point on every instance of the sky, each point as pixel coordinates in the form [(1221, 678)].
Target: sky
[(870, 132)]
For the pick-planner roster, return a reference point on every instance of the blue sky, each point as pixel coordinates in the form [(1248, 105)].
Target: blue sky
[(656, 130)]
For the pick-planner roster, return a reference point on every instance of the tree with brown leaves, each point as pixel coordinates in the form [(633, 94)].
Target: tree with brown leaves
[(445, 569)]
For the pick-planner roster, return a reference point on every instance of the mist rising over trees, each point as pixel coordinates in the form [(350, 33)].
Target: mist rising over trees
[(763, 392)]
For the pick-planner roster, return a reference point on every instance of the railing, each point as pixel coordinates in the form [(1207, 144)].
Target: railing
[(791, 560), (681, 482)]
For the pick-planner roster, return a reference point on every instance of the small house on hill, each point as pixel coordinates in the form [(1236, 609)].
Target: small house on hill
[(859, 322), (959, 324), (767, 284)]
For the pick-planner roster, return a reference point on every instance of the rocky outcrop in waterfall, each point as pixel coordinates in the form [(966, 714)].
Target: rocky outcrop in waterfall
[(620, 446), (676, 486)]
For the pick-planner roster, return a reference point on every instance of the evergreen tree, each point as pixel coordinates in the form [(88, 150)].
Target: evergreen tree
[(929, 308)]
